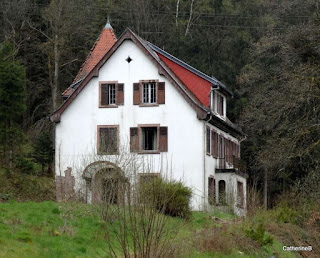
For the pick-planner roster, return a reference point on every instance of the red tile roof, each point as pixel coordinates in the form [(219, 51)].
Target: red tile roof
[(104, 42), (197, 85)]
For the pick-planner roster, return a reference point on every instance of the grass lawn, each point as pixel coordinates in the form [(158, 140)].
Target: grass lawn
[(49, 229)]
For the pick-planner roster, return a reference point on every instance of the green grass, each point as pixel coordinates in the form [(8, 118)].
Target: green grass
[(36, 230), (49, 229)]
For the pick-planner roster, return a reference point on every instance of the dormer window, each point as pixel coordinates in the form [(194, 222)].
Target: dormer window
[(218, 103)]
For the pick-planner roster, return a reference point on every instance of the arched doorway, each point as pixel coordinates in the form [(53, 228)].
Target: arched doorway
[(105, 182)]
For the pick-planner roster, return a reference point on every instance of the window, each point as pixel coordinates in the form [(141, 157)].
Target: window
[(149, 139), (211, 189), (240, 194), (111, 94), (220, 104), (108, 140), (148, 92)]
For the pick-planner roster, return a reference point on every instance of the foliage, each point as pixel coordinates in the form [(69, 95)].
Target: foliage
[(279, 91), (25, 165), (257, 232), (12, 105), (171, 198), (43, 150), (24, 187)]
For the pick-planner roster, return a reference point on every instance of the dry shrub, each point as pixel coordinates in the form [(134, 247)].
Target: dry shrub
[(293, 235), (225, 240), (214, 240)]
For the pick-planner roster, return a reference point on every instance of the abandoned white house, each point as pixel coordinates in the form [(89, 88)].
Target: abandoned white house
[(131, 96)]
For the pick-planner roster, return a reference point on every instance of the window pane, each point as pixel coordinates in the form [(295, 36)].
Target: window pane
[(112, 94), (145, 93), (149, 92)]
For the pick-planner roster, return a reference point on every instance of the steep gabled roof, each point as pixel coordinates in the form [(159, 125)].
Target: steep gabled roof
[(104, 42), (197, 82), (191, 83)]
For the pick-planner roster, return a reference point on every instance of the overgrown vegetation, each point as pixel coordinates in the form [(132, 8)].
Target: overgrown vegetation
[(71, 229)]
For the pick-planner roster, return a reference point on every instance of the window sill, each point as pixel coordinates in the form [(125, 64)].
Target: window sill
[(149, 105), (109, 106)]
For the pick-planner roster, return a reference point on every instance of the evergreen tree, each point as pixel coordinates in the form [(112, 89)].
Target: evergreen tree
[(12, 104)]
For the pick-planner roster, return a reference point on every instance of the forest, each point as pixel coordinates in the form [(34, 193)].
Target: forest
[(266, 52)]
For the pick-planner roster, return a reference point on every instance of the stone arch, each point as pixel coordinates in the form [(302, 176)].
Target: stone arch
[(103, 181)]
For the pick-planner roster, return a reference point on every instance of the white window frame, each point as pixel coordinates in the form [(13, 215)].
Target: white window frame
[(111, 93), (149, 89)]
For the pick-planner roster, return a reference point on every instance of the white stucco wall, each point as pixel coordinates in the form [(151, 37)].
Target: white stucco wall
[(76, 134)]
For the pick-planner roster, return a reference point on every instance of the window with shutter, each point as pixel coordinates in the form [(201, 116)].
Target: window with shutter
[(108, 139), (111, 94), (148, 93), (149, 139)]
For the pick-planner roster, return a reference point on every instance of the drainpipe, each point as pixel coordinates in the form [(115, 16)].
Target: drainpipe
[(204, 157)]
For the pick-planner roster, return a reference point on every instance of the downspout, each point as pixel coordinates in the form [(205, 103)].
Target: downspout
[(204, 151)]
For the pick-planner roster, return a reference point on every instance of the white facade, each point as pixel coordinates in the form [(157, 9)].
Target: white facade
[(186, 159)]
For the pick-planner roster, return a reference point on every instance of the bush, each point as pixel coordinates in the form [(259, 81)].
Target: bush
[(170, 198), (257, 232), (25, 165), (284, 214)]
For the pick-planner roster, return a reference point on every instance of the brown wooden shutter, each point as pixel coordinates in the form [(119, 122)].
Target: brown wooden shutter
[(163, 139), (136, 94), (161, 93), (134, 139), (104, 95), (215, 144), (120, 94), (208, 150)]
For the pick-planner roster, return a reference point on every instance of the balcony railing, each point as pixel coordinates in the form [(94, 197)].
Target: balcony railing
[(231, 163)]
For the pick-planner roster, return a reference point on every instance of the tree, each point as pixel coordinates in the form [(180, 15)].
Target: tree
[(281, 89), (43, 151), (12, 105)]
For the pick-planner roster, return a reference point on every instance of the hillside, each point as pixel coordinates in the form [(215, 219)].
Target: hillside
[(49, 229)]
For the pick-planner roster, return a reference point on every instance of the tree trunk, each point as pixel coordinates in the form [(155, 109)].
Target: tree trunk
[(56, 73)]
